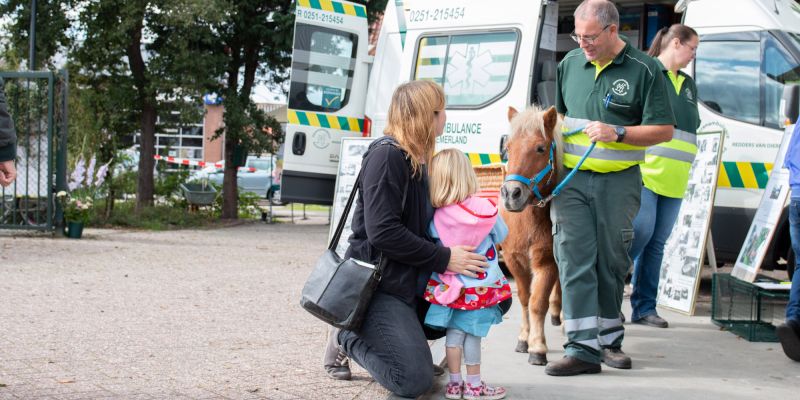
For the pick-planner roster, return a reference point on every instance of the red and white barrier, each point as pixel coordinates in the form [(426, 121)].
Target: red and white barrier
[(195, 163)]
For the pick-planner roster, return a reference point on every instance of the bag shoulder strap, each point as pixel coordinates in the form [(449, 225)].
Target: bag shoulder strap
[(343, 219)]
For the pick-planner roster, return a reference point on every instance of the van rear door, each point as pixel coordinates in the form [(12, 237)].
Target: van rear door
[(326, 95)]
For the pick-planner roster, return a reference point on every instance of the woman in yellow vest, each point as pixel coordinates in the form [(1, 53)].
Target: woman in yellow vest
[(665, 172)]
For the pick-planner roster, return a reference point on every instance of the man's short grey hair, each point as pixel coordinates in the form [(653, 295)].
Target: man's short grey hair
[(603, 10)]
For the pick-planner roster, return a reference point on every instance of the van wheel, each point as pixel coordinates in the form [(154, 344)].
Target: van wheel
[(790, 263), (273, 200)]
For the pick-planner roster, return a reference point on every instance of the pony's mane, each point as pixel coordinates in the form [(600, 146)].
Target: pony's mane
[(529, 121)]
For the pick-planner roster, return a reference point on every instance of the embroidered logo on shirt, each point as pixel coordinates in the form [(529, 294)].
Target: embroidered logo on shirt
[(621, 87)]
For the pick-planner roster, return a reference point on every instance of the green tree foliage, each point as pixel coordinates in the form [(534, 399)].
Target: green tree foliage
[(52, 22), (256, 38), (137, 60), (375, 8)]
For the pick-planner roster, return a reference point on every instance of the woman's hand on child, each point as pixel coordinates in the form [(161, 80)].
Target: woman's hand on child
[(465, 261)]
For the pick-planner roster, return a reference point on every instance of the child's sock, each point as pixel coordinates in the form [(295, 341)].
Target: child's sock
[(474, 380), (455, 377)]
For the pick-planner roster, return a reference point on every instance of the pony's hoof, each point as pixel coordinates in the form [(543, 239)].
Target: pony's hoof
[(522, 347), (537, 359), (555, 320)]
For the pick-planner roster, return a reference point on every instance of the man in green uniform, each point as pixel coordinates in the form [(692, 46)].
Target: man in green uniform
[(614, 95), (8, 139)]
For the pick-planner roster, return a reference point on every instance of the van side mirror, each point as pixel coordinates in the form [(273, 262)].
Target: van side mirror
[(791, 102), (504, 148)]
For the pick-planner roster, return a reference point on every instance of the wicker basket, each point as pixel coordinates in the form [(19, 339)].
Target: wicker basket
[(490, 177)]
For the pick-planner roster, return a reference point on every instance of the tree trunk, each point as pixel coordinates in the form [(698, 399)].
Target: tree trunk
[(112, 194), (230, 191), (144, 185)]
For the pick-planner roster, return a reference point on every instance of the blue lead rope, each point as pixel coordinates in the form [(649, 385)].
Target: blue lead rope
[(533, 183), (569, 176)]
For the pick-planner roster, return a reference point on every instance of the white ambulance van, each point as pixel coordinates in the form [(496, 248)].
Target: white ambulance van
[(749, 50), (489, 55)]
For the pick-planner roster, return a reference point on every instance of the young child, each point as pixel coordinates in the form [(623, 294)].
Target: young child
[(463, 305)]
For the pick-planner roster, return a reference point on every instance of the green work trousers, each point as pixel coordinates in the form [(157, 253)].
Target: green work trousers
[(592, 233)]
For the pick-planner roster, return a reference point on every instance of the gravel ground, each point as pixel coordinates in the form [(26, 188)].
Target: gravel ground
[(183, 314)]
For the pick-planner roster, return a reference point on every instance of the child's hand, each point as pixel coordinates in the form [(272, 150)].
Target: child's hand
[(464, 261)]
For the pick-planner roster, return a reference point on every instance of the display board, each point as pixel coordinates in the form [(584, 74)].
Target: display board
[(351, 152), (683, 252), (773, 201)]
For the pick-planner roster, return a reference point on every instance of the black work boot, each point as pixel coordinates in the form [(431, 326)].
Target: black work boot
[(335, 360), (789, 336), (569, 366), (653, 320), (616, 358)]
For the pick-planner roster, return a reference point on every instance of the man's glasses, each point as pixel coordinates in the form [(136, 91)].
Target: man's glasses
[(589, 39)]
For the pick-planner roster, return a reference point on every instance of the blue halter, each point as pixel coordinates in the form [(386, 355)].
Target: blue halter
[(533, 183)]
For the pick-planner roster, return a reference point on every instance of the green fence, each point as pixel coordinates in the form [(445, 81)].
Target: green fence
[(37, 102)]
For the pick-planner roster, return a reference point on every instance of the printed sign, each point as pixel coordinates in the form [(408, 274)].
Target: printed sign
[(774, 200), (332, 97), (685, 247), (352, 150)]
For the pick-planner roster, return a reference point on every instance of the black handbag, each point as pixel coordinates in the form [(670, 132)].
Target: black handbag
[(339, 291)]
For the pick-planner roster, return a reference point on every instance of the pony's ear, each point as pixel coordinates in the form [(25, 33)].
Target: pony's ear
[(512, 112), (550, 118)]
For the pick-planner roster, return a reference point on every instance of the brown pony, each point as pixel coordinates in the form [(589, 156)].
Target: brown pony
[(528, 249)]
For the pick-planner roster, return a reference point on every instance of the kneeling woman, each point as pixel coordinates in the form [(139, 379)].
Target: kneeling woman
[(391, 344)]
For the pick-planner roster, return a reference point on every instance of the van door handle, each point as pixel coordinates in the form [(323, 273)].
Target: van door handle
[(299, 143)]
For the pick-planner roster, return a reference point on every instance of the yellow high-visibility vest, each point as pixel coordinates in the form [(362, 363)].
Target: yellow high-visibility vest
[(606, 157), (666, 170)]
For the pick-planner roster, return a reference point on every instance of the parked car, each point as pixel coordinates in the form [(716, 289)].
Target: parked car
[(258, 176)]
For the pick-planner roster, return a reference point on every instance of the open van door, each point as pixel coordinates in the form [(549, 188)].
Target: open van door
[(326, 95)]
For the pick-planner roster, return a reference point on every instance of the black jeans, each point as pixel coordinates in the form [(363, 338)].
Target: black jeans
[(392, 347)]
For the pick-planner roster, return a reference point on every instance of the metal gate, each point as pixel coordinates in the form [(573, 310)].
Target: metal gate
[(37, 101)]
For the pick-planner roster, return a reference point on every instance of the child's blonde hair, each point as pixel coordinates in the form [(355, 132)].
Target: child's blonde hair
[(452, 178)]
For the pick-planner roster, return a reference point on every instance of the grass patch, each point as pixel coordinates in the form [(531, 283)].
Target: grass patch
[(156, 218)]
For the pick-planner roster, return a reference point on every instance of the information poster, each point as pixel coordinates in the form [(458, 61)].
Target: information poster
[(766, 219), (685, 247), (351, 152)]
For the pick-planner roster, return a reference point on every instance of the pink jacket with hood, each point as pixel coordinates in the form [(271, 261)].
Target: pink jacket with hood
[(473, 222)]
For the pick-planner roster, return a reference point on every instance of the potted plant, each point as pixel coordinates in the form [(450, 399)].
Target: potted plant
[(77, 210), (84, 185)]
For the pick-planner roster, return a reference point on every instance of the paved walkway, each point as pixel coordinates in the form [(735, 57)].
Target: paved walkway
[(165, 315), (693, 359), (213, 314)]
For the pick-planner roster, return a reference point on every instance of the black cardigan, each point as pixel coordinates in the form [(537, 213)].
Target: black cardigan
[(382, 224)]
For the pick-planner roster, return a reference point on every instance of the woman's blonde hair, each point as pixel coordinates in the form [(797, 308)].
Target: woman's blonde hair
[(412, 120), (452, 178)]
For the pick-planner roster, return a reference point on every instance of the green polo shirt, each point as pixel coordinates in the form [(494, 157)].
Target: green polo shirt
[(630, 91), (683, 99)]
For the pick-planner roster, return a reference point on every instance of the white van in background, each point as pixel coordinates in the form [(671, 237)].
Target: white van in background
[(489, 55), (749, 50)]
